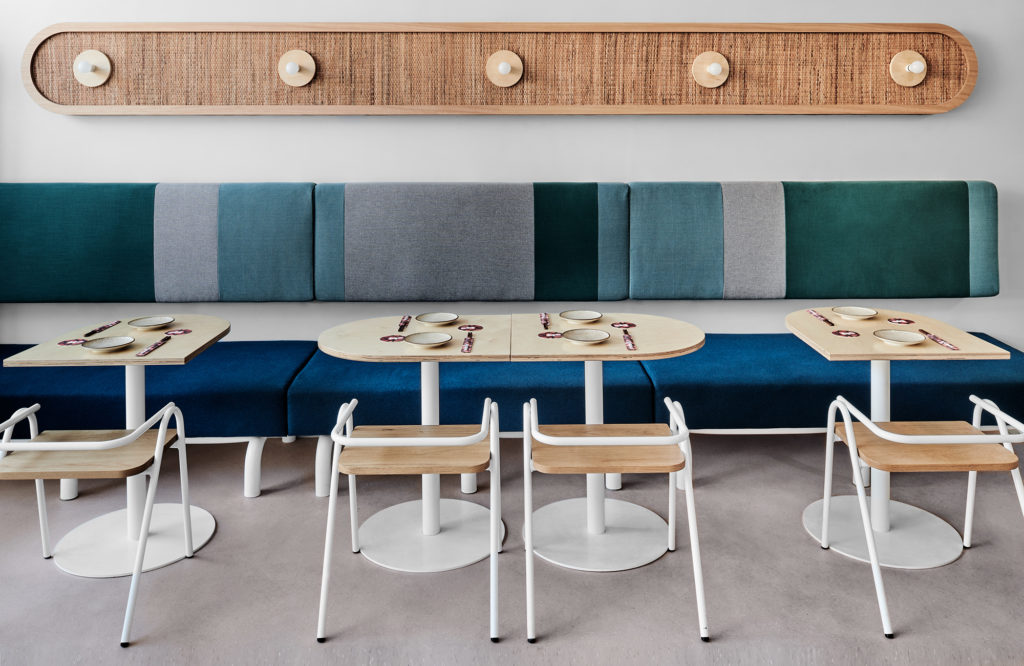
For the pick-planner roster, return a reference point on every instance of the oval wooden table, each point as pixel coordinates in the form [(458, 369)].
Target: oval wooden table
[(102, 547), (906, 537)]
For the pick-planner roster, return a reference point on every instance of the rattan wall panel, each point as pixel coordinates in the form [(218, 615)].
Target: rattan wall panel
[(604, 68)]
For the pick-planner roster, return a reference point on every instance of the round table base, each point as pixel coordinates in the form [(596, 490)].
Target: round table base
[(101, 548), (916, 539), (634, 536), (393, 537)]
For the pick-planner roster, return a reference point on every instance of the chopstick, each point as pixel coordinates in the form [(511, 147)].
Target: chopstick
[(545, 321), (102, 328), (405, 322), (816, 315), (937, 339), (467, 344), (628, 339), (159, 343)]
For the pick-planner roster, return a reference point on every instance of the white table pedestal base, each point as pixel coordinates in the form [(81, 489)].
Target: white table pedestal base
[(634, 536), (101, 549), (917, 539), (393, 537)]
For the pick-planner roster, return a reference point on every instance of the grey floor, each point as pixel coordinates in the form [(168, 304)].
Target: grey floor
[(774, 596)]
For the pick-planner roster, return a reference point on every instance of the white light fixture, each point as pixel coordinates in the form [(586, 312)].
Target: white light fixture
[(504, 68), (296, 68), (292, 68), (91, 68), (84, 66), (710, 69), (916, 67), (908, 68), (714, 69)]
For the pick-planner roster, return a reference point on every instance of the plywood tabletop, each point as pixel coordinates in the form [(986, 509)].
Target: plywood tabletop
[(655, 337), (361, 340), (866, 347), (205, 330)]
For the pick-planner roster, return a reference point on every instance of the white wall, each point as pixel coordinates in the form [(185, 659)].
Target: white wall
[(983, 139)]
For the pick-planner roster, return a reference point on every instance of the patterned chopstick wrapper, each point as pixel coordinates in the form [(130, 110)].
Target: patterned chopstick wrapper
[(628, 339), (545, 320), (100, 329), (935, 338), (405, 322), (817, 315), (159, 343), (467, 344)]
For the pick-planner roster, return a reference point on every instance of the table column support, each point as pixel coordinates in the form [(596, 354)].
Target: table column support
[(879, 479), (430, 414), (134, 416), (593, 387)]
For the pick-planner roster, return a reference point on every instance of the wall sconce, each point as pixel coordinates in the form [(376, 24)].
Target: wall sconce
[(91, 68), (710, 69), (504, 68), (908, 68), (296, 68)]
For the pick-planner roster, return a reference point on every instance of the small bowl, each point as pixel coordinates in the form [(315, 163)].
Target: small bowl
[(586, 336), (436, 318), (109, 343), (580, 316), (151, 322), (854, 312), (899, 338), (429, 339)]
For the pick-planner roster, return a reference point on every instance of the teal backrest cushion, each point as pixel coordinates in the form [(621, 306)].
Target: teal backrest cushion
[(884, 239), (471, 241), (124, 242)]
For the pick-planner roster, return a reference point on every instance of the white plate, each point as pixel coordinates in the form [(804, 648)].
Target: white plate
[(436, 318), (586, 336), (151, 322), (580, 316), (899, 338), (428, 339), (854, 312), (109, 343)]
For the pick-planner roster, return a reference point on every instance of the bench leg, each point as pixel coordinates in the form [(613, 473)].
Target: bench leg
[(253, 467), (288, 439), (68, 489), (324, 447), (469, 484), (972, 484)]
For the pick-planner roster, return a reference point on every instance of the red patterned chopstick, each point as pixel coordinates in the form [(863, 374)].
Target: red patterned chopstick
[(405, 322), (817, 315), (935, 338), (100, 329), (545, 321), (156, 345), (628, 339), (467, 344)]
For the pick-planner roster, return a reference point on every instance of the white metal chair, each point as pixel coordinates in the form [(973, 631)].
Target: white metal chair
[(97, 454), (417, 450), (930, 446), (657, 448)]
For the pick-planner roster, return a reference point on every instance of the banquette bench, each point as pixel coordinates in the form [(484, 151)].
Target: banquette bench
[(547, 242)]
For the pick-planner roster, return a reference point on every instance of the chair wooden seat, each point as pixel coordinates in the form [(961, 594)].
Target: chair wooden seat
[(893, 457), (119, 463), (582, 459), (394, 460)]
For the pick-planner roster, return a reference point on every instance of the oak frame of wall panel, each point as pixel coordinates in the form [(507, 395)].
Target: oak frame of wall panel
[(807, 63)]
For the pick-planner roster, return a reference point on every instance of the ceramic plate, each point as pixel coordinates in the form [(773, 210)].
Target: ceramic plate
[(108, 344), (586, 336), (899, 338), (151, 322), (428, 339), (436, 318), (854, 312), (580, 316)]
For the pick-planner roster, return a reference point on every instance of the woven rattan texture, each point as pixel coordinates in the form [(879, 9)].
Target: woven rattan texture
[(446, 69)]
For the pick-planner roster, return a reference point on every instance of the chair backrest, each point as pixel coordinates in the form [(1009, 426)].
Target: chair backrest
[(342, 433), (677, 422), (163, 415)]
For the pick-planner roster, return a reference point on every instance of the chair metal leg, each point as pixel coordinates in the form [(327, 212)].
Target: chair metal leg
[(321, 623), (495, 542), (253, 467), (185, 501), (44, 523), (1020, 488), (869, 535), (698, 572), (531, 632), (672, 510), (972, 484), (322, 471), (826, 501), (140, 554), (353, 511)]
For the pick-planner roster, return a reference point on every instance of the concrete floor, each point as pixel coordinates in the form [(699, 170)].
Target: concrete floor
[(774, 596)]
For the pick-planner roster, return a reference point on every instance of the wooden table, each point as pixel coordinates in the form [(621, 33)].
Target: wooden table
[(102, 548), (592, 534), (906, 537)]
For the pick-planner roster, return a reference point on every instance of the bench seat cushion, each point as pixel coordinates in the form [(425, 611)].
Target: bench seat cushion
[(233, 389), (389, 393)]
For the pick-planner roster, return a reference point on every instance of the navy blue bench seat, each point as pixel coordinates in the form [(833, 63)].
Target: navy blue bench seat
[(760, 381)]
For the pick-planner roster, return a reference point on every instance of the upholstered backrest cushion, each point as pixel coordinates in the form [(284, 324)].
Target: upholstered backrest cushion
[(898, 239), (471, 241), (67, 242)]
